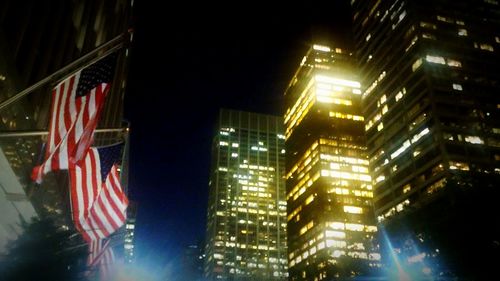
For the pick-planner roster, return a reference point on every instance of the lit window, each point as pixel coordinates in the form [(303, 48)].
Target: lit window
[(422, 133), (380, 126), (435, 59), (416, 64), (385, 109), (486, 47), (337, 81), (234, 155), (309, 199), (306, 227), (223, 143), (428, 25), (354, 226), (321, 48), (428, 36), (474, 140), (445, 19), (383, 99), (401, 149), (379, 179), (399, 96), (336, 234), (454, 165), (454, 63), (353, 210), (235, 144), (457, 87), (337, 225), (462, 32)]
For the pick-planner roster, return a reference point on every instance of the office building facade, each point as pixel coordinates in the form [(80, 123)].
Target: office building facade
[(331, 227), (430, 76), (129, 252), (246, 222)]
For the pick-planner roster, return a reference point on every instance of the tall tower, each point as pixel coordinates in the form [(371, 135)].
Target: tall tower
[(246, 223), (329, 190), (432, 114), (129, 235)]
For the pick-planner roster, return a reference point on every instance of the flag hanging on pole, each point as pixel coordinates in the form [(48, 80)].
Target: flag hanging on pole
[(101, 257), (98, 201), (76, 105)]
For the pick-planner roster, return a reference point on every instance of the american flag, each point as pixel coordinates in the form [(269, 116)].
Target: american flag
[(101, 257), (98, 201), (76, 105)]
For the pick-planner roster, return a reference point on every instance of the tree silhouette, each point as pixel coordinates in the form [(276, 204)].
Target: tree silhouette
[(45, 251)]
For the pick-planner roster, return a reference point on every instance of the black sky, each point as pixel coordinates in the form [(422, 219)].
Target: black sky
[(187, 62)]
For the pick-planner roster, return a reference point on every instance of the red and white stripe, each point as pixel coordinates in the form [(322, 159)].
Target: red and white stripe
[(85, 186), (99, 208), (71, 118), (101, 257), (108, 213)]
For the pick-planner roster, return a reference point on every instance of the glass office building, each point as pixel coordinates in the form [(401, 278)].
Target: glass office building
[(246, 223), (331, 225), (432, 113)]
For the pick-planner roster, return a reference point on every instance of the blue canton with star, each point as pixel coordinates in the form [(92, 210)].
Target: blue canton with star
[(109, 155), (95, 74)]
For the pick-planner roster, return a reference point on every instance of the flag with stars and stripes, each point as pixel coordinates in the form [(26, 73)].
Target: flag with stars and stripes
[(98, 202), (76, 105), (101, 258)]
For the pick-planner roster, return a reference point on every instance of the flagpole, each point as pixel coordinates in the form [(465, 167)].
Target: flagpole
[(44, 133), (113, 45)]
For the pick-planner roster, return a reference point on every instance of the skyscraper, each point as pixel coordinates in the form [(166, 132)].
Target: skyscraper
[(431, 104), (331, 226), (246, 222), (129, 236), (191, 268)]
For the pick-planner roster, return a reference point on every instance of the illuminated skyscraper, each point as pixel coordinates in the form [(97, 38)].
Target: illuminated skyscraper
[(432, 113), (129, 236), (329, 190), (246, 223)]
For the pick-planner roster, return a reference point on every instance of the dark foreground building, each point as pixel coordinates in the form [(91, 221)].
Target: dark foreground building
[(432, 112), (38, 38)]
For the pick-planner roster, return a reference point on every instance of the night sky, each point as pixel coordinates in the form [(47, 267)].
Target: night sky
[(187, 62)]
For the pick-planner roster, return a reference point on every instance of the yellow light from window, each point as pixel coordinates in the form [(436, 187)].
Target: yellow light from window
[(321, 48), (309, 199), (338, 81), (306, 227), (337, 225), (336, 234), (353, 210)]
